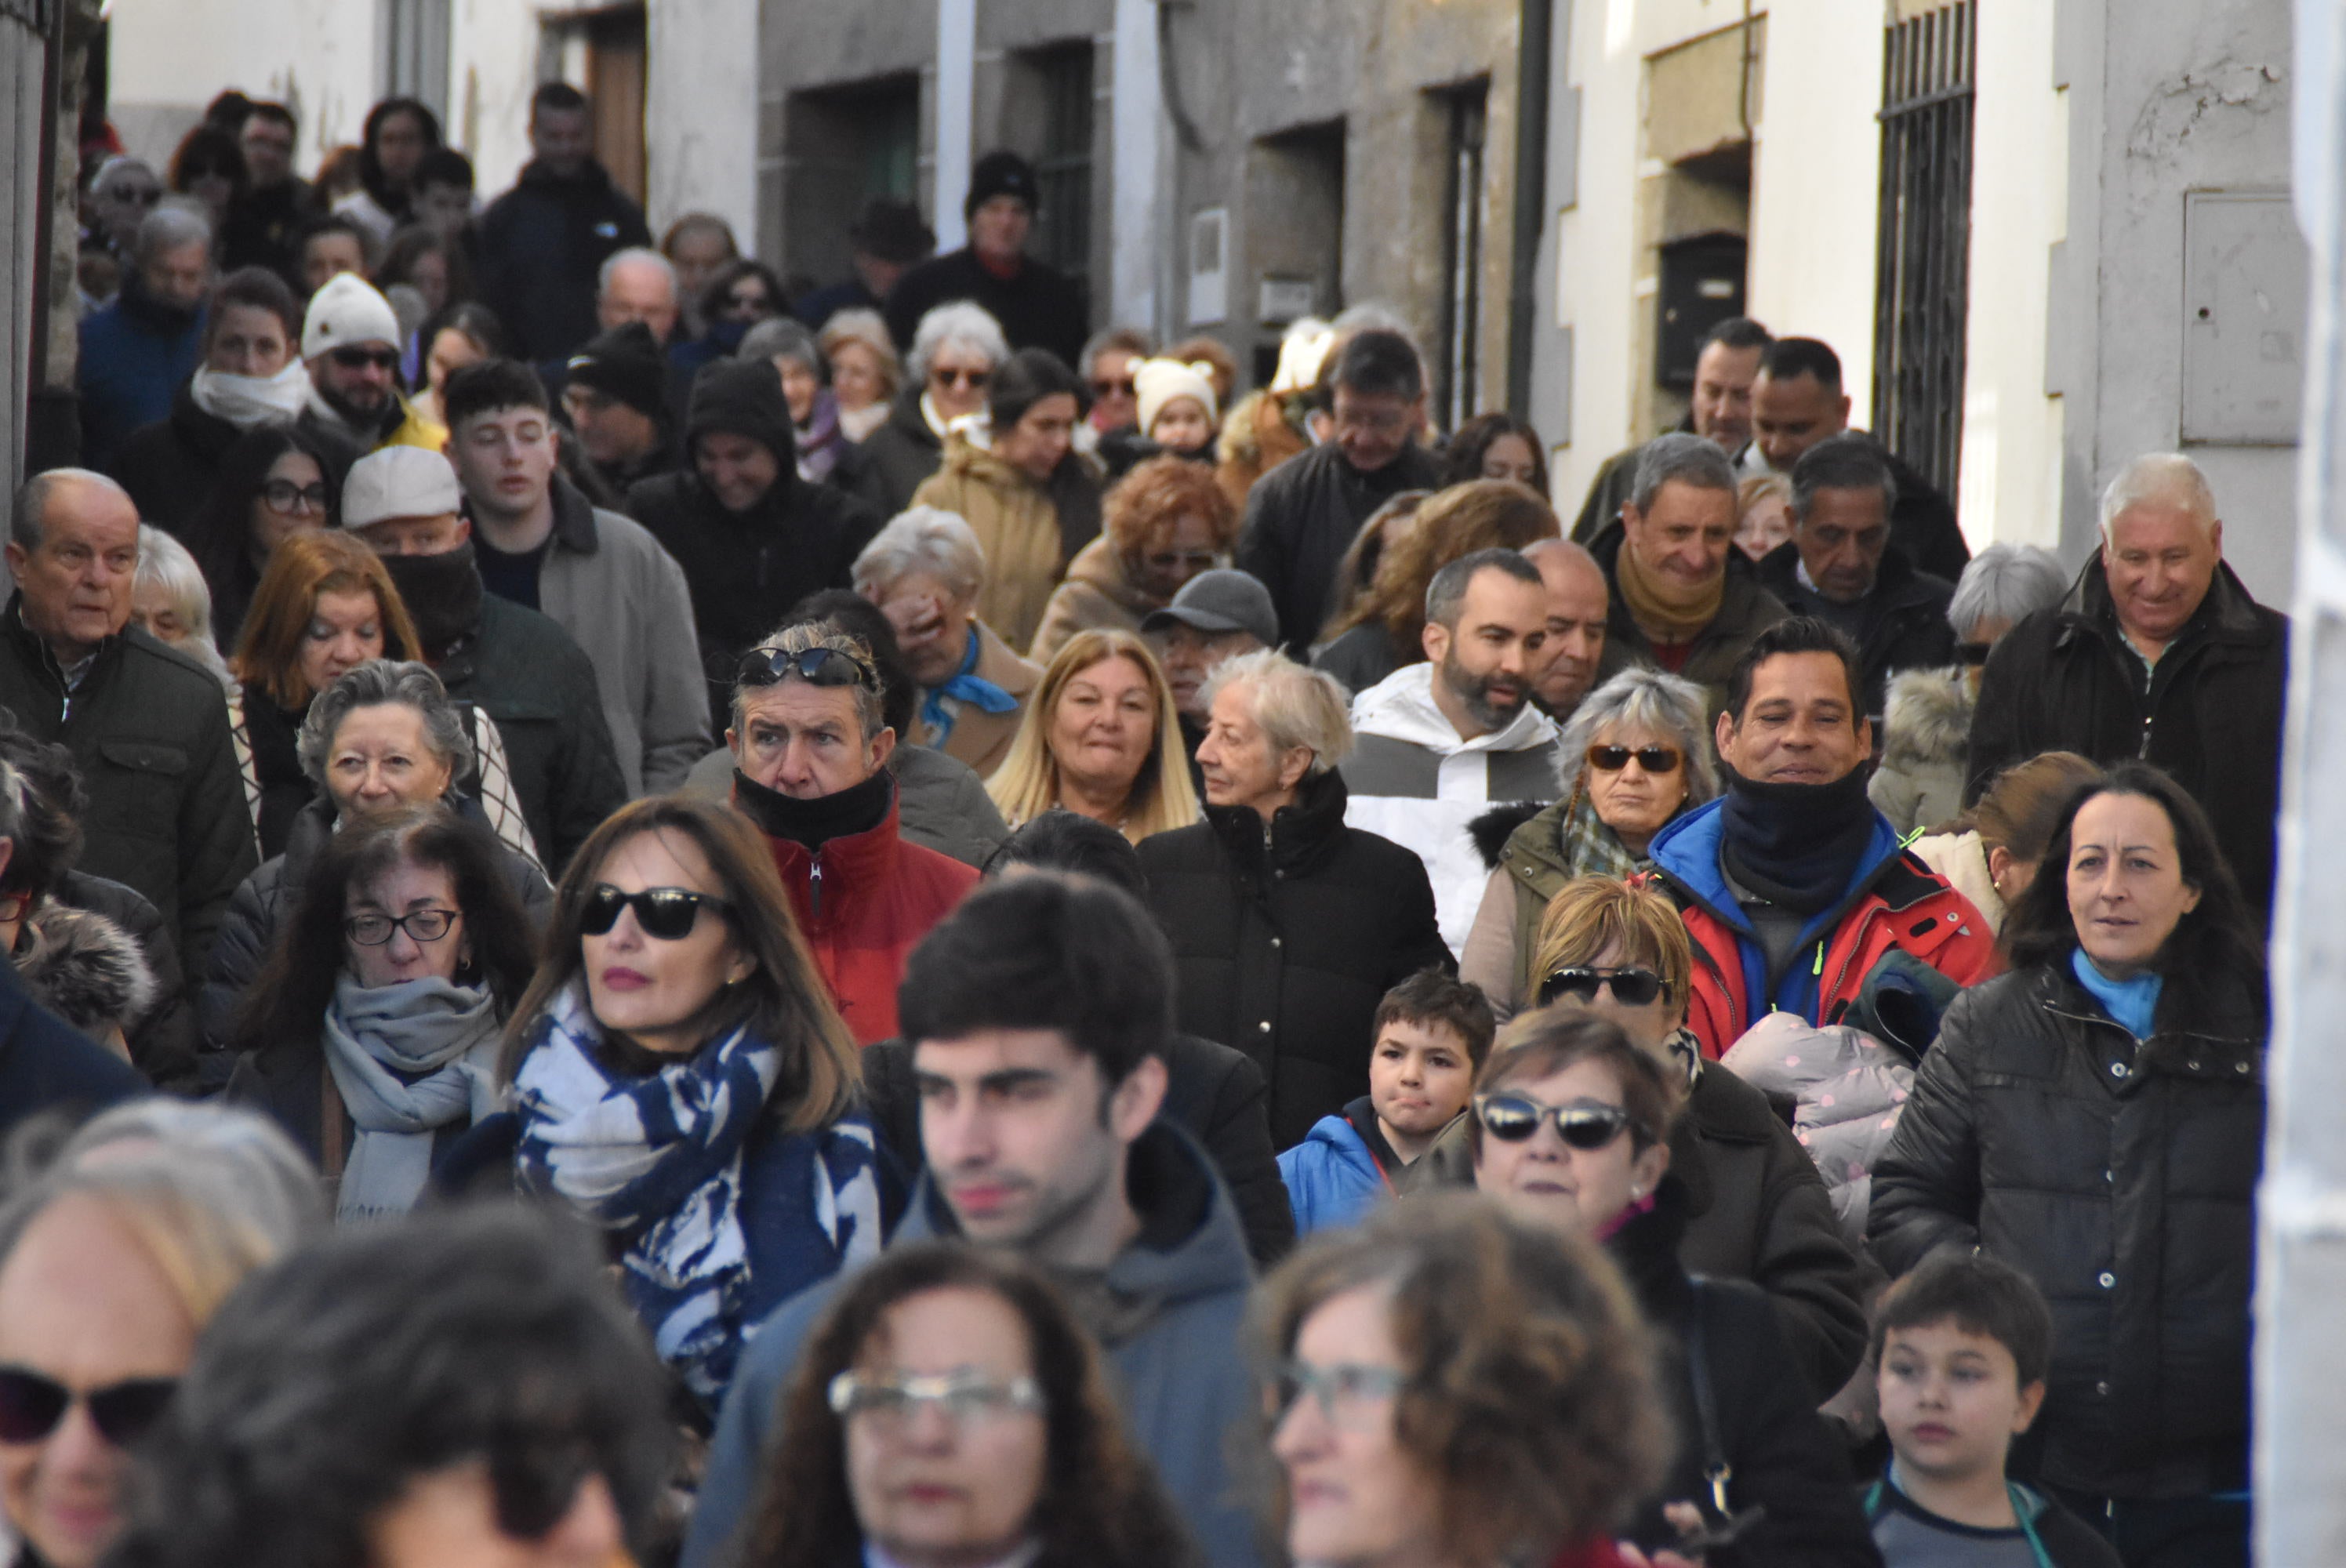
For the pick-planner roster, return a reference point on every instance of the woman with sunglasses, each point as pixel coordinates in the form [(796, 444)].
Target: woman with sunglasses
[(278, 479), (949, 1409), (955, 352), (1167, 522), (1018, 481), (111, 1264), (373, 1035), (679, 1077), (1571, 1130), (1636, 757)]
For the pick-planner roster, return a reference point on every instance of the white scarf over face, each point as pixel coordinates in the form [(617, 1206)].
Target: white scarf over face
[(245, 401)]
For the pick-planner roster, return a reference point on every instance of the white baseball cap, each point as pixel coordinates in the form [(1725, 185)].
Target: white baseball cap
[(399, 481)]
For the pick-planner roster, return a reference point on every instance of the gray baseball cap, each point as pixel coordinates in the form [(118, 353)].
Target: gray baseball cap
[(1220, 601)]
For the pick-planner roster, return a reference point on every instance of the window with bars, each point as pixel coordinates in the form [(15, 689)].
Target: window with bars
[(1922, 288), (1466, 111), (1062, 160)]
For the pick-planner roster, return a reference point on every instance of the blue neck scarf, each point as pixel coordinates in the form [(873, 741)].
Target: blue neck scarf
[(2132, 1004), (963, 686)]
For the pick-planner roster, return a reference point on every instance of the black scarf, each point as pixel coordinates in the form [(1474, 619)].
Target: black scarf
[(857, 809), (1796, 845), (443, 596)]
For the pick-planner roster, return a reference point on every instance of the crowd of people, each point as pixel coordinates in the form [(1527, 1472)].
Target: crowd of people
[(665, 914)]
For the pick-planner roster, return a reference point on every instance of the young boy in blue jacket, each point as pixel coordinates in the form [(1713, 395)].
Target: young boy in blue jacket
[(1431, 1032)]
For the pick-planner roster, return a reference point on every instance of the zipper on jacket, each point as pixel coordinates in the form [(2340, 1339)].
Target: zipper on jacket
[(814, 886)]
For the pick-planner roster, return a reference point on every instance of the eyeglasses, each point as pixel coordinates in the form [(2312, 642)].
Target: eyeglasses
[(974, 380), (818, 667), (421, 925), (1347, 1392), (31, 1406), (287, 498), (1652, 758), (361, 359), (1586, 1126), (965, 1395), (667, 914), (1127, 387), (533, 1486), (1972, 653), (1633, 987)]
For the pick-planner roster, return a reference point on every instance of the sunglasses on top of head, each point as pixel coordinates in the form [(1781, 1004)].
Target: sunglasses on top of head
[(666, 914), (1636, 986), (1586, 1126), (817, 667)]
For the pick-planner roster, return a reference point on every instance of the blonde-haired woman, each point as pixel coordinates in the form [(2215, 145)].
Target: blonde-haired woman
[(1100, 738)]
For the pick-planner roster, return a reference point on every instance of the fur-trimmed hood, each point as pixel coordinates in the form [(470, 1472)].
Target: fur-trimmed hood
[(87, 970), (1928, 719)]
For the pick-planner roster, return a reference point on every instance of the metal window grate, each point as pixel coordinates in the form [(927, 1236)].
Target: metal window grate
[(1064, 167), (1922, 288), (1462, 305)]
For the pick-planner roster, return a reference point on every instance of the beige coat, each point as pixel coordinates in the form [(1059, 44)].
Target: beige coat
[(1096, 596), (1017, 526), (979, 739)]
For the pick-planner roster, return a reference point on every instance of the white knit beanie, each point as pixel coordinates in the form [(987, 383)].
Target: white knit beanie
[(1160, 381), (347, 311)]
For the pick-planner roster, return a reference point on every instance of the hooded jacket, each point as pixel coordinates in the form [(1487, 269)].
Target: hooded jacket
[(170, 466), (1018, 526), (1893, 902), (745, 569), (1415, 781), (136, 353), (542, 248), (2210, 711), (1286, 937), (1926, 733), (1098, 594), (1168, 1311), (1303, 515), (1905, 624), (1333, 1176), (1745, 610), (163, 1044)]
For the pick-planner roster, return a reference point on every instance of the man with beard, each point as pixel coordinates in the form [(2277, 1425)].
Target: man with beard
[(350, 341), (518, 666), (138, 352), (1439, 741)]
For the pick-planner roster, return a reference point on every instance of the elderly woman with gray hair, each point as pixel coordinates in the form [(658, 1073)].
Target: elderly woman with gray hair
[(1635, 756), (956, 349), (826, 454), (385, 738), (1927, 723), (1287, 926), (926, 571)]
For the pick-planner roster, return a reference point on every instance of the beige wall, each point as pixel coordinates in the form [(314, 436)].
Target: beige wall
[(169, 58)]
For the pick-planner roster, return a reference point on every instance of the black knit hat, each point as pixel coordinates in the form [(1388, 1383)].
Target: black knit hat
[(1000, 173), (626, 364)]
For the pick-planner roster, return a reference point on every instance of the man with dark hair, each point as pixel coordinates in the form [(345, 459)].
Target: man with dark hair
[(1797, 403), (1039, 306), (544, 242), (443, 196), (615, 394), (264, 224), (1719, 411), (1838, 566), (889, 239), (1677, 603), (1039, 1018), (1303, 515), (1442, 740), (601, 577), (1797, 892)]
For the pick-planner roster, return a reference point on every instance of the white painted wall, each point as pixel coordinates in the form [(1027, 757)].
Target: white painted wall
[(700, 119), (493, 69), (167, 59)]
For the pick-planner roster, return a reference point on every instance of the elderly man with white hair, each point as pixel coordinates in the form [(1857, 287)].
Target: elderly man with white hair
[(2158, 652), (140, 349)]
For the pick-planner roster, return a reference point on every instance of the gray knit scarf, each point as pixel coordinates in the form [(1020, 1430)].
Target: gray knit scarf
[(408, 1059)]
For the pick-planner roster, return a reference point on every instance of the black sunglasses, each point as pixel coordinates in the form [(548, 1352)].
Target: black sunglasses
[(1652, 758), (1634, 987), (1513, 1118), (360, 359), (534, 1487), (1127, 386), (818, 667), (667, 914), (973, 380), (31, 1406)]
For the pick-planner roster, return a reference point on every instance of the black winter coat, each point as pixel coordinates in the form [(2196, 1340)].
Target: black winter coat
[(2210, 711), (47, 1065), (164, 1043), (1782, 1455), (1905, 617), (1215, 1093), (169, 466), (542, 248), (147, 728), (1286, 938), (2119, 1175), (902, 452), (1040, 308), (1301, 517)]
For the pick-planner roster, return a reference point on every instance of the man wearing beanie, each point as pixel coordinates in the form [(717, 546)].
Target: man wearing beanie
[(1039, 307), (350, 341), (748, 530), (515, 664), (1795, 892), (615, 395)]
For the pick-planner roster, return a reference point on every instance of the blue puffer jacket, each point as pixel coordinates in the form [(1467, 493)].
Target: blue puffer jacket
[(1331, 1178), (135, 355)]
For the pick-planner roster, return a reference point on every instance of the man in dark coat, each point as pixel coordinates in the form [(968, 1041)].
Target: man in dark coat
[(2157, 653), (544, 242), (1039, 306), (615, 392), (1839, 567), (518, 666), (751, 536), (887, 240), (49, 1065), (1303, 515), (145, 723), (265, 224), (1719, 411)]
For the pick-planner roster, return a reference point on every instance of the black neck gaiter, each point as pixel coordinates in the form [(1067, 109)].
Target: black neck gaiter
[(857, 809), (1797, 845), (443, 596)]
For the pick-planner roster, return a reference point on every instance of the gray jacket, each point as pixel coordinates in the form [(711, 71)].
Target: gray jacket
[(1169, 1313), (623, 599)]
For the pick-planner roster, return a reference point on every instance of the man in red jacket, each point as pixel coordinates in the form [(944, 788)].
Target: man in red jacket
[(810, 744)]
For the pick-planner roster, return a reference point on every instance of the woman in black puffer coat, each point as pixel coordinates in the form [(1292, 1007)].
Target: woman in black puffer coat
[(2095, 1118)]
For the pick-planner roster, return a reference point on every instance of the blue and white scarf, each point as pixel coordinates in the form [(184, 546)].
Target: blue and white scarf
[(659, 1158)]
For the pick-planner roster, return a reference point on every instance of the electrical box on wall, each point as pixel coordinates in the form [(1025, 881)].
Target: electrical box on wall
[(2244, 304), (1701, 285)]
